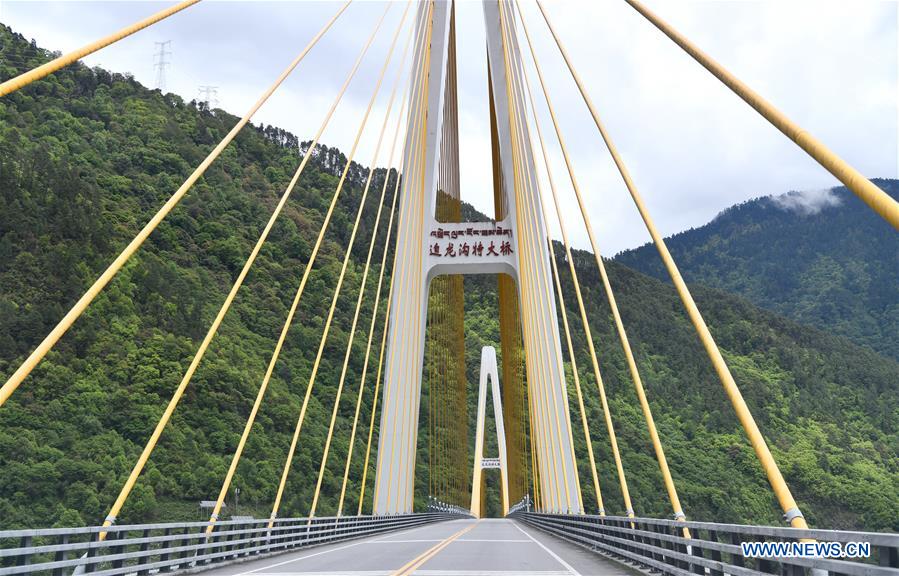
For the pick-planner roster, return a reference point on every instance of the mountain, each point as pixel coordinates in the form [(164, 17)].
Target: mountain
[(822, 258), (86, 156)]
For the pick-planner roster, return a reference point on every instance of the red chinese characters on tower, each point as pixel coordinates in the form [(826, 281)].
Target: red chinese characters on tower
[(445, 245)]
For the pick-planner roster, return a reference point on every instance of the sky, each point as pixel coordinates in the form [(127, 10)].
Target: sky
[(692, 147)]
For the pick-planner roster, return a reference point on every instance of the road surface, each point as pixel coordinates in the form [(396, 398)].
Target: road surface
[(489, 547)]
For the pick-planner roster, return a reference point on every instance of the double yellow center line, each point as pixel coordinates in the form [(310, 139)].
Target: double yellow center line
[(416, 562)]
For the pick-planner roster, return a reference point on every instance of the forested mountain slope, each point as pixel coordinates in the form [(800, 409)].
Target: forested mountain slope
[(819, 257), (86, 156)]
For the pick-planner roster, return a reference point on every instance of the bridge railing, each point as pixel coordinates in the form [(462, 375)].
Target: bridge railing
[(438, 507), (714, 549), (144, 548)]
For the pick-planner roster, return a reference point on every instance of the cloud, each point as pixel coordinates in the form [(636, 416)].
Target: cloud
[(807, 202)]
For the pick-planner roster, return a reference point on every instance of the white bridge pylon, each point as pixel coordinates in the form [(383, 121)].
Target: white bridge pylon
[(514, 244), (489, 371)]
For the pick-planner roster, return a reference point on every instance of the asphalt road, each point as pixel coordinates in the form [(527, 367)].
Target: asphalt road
[(490, 547)]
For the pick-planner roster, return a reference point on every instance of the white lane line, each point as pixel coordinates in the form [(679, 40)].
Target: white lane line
[(328, 551), (429, 573), (489, 540), (490, 572), (276, 564), (400, 541), (567, 566), (341, 573)]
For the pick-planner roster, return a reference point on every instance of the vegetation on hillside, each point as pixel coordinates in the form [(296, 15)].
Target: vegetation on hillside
[(822, 258), (86, 156)]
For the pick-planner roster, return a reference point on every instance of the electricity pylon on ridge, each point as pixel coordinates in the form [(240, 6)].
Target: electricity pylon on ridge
[(209, 95), (160, 63)]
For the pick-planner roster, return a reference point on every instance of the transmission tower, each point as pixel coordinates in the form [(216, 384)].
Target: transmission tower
[(209, 95), (160, 63)]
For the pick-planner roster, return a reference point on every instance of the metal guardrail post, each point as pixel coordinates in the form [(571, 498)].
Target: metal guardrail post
[(888, 557), (254, 534), (640, 548), (164, 557), (654, 541), (736, 559), (682, 548), (229, 546), (696, 567), (118, 549), (212, 545), (61, 555), (715, 554), (25, 560), (145, 547), (186, 554), (237, 546), (657, 543), (91, 552), (768, 566), (308, 534)]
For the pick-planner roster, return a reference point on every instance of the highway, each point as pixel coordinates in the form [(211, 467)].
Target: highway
[(489, 547)]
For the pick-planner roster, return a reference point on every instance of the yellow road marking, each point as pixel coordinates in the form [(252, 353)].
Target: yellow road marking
[(416, 562)]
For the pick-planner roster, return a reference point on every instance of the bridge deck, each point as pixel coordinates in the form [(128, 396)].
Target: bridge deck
[(490, 547)]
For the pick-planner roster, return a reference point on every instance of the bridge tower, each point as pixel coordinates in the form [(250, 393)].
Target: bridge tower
[(489, 372), (514, 246)]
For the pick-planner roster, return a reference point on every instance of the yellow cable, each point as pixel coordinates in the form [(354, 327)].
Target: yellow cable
[(374, 404), (48, 68), (533, 238), (577, 380), (414, 367), (176, 397), (371, 247), (873, 196), (374, 317), (542, 443), (38, 354), (632, 366), (292, 311), (546, 453), (416, 88), (625, 493), (535, 477), (416, 209), (413, 119), (535, 185), (263, 387), (763, 453), (415, 96), (544, 462)]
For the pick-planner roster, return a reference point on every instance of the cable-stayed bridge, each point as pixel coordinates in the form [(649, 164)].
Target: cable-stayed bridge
[(549, 525)]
